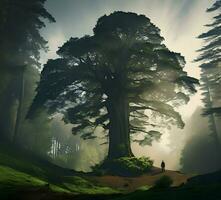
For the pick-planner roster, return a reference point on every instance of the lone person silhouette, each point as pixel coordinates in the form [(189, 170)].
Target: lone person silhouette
[(163, 166)]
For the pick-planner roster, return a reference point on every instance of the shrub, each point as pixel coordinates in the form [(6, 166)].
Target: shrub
[(125, 166), (164, 182)]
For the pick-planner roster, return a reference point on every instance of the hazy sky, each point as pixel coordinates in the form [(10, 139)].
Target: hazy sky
[(180, 21)]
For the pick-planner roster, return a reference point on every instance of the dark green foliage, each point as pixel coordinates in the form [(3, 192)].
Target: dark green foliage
[(20, 46), (125, 166), (19, 29), (113, 78), (163, 182)]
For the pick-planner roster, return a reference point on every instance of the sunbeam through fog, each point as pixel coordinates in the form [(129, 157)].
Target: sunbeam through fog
[(110, 99), (180, 23)]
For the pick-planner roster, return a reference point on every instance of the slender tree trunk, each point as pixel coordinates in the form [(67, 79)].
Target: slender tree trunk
[(213, 120), (20, 105), (215, 132), (119, 134), (6, 114)]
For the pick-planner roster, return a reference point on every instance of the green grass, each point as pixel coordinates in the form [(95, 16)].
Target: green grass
[(12, 180), (20, 170)]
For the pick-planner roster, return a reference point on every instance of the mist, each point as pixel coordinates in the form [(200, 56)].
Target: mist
[(180, 23), (199, 154), (112, 99)]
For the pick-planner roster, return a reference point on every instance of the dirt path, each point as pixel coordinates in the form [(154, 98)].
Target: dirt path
[(132, 183)]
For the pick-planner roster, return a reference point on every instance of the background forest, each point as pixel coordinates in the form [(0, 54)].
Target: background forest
[(24, 54)]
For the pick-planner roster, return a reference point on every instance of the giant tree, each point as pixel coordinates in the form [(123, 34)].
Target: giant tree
[(121, 78), (20, 45), (210, 56)]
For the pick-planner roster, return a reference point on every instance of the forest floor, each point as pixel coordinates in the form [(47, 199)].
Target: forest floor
[(130, 184), (25, 177)]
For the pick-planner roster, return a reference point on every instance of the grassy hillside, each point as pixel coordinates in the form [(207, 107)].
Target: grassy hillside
[(26, 177), (19, 171)]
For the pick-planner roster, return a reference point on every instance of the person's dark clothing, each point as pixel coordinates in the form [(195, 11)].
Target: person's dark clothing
[(163, 166)]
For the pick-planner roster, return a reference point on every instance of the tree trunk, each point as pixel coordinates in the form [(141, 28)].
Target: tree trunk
[(215, 132), (19, 110), (119, 133), (213, 120), (6, 113)]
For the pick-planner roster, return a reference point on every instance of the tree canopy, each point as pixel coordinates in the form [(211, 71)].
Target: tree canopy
[(20, 46), (121, 78), (19, 29)]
